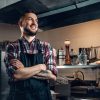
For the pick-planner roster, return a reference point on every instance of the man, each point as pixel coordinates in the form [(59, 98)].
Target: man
[(30, 63)]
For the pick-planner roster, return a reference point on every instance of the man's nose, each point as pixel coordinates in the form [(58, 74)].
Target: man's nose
[(33, 21)]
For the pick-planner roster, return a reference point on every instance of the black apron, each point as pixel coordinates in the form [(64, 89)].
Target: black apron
[(32, 88)]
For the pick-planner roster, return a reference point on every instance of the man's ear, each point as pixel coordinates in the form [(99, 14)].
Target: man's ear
[(20, 26), (20, 23)]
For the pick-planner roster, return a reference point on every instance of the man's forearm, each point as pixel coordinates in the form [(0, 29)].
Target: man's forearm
[(25, 73), (47, 74)]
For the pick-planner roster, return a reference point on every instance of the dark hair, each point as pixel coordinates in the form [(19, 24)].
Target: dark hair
[(28, 11), (23, 15)]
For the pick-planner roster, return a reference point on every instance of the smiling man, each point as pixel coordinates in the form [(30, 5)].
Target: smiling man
[(30, 63)]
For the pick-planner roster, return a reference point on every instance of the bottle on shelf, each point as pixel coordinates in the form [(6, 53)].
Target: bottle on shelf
[(67, 54), (61, 56), (82, 57), (73, 57)]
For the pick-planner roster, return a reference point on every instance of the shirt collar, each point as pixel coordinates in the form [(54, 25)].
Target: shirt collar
[(25, 40)]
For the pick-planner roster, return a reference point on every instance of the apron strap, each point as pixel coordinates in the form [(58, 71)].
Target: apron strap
[(38, 45), (20, 46)]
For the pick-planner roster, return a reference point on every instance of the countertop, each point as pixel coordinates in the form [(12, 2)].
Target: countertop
[(79, 66)]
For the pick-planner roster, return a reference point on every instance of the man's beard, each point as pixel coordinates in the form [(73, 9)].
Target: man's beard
[(29, 33)]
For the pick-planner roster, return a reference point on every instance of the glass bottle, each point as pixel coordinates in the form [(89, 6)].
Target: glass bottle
[(82, 57)]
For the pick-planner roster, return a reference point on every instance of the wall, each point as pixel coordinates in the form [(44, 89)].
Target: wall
[(9, 32), (81, 35)]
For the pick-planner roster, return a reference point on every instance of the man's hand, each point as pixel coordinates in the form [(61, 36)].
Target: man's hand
[(97, 62), (16, 63), (42, 66), (45, 74)]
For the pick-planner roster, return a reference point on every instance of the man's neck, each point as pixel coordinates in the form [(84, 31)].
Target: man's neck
[(29, 38)]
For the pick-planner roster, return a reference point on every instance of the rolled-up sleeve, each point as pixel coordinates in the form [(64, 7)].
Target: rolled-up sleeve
[(10, 54), (51, 59)]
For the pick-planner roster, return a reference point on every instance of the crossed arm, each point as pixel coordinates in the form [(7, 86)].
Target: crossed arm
[(37, 71), (22, 72)]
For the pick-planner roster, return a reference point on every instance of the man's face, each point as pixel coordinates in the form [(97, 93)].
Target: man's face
[(30, 24)]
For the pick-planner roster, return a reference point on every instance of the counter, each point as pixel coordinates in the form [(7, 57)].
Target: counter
[(90, 72), (78, 66)]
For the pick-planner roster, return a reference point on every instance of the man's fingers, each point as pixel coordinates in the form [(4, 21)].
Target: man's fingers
[(16, 63), (13, 59)]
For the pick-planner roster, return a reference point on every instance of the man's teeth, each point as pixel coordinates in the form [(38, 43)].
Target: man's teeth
[(33, 27)]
